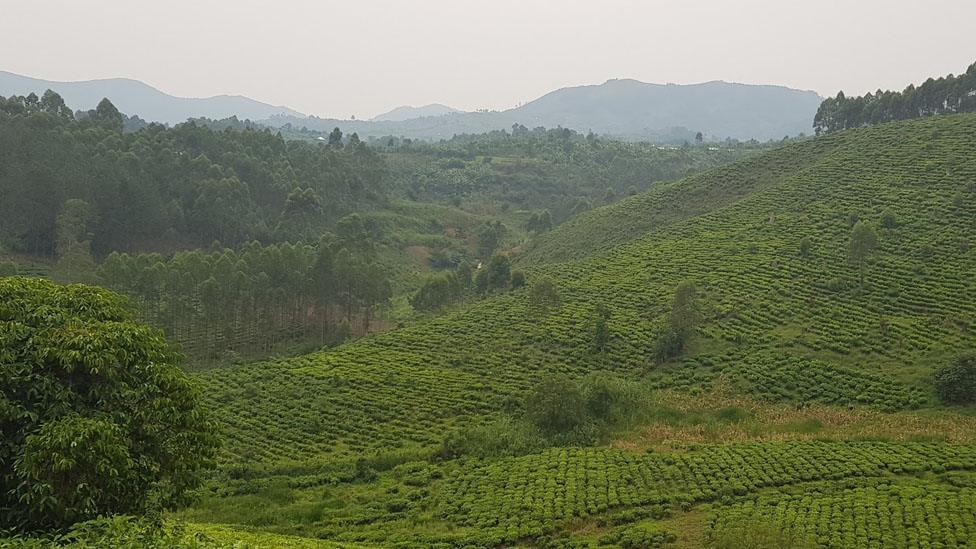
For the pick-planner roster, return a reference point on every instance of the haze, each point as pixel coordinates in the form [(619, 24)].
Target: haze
[(362, 58)]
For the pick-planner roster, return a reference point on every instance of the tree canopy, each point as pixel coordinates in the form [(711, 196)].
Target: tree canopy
[(163, 188), (944, 95), (96, 416)]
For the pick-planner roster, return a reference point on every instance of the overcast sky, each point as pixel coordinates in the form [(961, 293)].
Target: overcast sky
[(363, 57)]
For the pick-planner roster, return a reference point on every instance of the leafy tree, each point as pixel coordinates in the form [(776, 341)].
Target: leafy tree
[(518, 279), (539, 222), (681, 325), (490, 237), (601, 330), (888, 219), (335, 138), (863, 242), (956, 382), (555, 405), (684, 316), (499, 272), (96, 416), (543, 295), (53, 104), (105, 114), (806, 247), (73, 223), (699, 138), (481, 281)]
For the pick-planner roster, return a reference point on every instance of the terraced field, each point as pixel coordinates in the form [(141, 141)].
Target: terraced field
[(777, 324)]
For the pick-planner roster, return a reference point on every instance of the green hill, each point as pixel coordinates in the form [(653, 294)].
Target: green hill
[(778, 326)]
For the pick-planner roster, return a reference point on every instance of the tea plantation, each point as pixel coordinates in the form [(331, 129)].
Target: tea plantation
[(785, 318)]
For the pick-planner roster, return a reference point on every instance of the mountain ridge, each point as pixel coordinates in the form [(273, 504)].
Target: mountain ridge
[(137, 98), (620, 108)]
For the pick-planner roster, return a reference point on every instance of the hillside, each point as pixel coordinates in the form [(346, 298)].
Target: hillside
[(625, 109), (778, 327), (133, 97), (406, 112)]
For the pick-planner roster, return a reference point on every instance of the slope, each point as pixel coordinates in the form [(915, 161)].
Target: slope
[(780, 326), (336, 445)]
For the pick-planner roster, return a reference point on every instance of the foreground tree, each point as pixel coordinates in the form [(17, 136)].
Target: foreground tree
[(96, 417)]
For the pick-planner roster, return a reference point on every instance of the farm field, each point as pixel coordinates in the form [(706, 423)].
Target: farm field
[(815, 385)]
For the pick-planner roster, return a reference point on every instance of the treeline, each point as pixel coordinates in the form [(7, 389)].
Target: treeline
[(946, 95), (255, 298), (560, 170), (160, 188)]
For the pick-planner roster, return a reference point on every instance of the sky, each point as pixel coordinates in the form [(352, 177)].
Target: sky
[(363, 57)]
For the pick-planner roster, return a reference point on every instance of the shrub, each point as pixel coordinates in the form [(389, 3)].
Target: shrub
[(956, 382), (555, 406)]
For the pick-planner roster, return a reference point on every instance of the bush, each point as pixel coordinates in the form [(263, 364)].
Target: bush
[(668, 345), (555, 406), (956, 382), (506, 436), (611, 400), (97, 417)]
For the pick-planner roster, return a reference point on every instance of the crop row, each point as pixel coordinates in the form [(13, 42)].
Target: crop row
[(530, 495), (873, 515)]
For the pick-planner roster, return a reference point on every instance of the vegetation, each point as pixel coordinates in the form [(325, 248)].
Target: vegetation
[(553, 173), (769, 323), (163, 188), (946, 95), (749, 356), (96, 417), (956, 382), (251, 299)]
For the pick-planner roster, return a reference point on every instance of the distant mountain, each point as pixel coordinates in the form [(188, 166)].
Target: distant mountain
[(133, 97), (629, 108), (625, 109), (406, 112)]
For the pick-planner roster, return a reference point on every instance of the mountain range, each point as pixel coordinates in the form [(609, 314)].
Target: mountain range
[(138, 98), (624, 109)]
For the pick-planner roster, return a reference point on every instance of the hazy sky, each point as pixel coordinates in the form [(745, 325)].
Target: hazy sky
[(362, 57)]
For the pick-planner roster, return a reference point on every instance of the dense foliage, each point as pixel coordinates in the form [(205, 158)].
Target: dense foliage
[(96, 417), (956, 382), (946, 95), (557, 170), (160, 188), (250, 299)]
